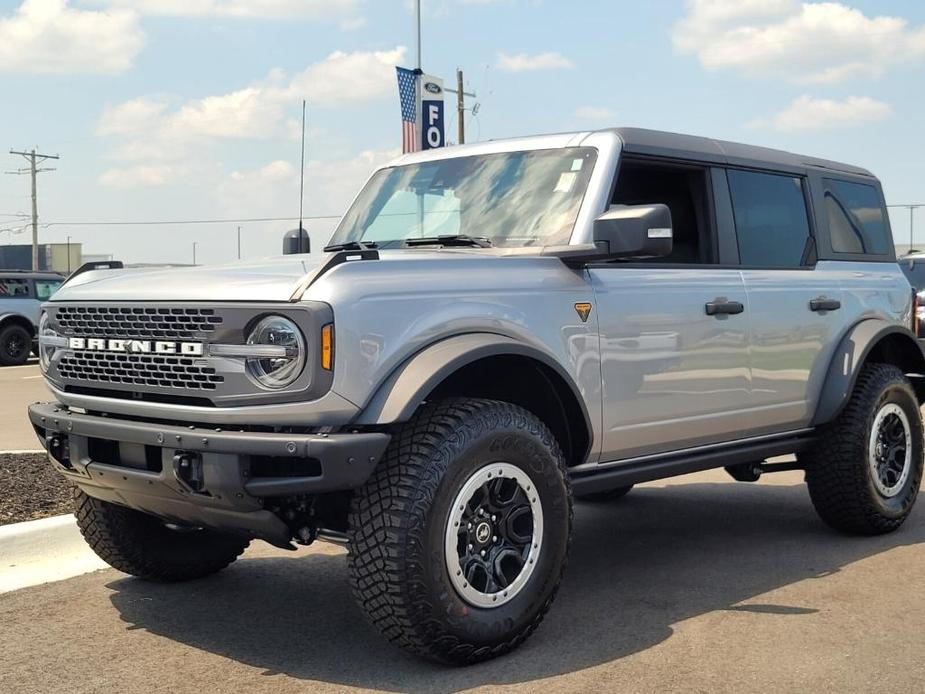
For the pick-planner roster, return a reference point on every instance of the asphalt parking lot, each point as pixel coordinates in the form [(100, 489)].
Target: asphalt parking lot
[(708, 585), (19, 386)]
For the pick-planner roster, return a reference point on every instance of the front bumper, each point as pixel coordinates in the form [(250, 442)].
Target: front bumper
[(202, 476)]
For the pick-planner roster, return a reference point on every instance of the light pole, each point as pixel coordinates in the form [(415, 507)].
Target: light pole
[(69, 255), (239, 243), (194, 252)]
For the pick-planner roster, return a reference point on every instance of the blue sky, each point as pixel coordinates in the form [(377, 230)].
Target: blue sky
[(188, 109)]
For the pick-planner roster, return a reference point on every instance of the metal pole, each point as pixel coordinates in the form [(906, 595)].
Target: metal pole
[(239, 241), (35, 217), (460, 106), (69, 255), (911, 218), (417, 21), (194, 252)]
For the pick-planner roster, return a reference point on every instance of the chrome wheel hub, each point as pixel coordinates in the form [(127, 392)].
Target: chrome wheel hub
[(890, 450), (494, 535)]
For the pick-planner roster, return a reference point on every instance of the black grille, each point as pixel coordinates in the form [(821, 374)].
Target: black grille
[(137, 322), (154, 371)]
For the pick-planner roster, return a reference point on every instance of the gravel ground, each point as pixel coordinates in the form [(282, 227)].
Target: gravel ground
[(30, 488)]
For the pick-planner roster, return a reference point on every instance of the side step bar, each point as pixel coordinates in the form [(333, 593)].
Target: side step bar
[(671, 465)]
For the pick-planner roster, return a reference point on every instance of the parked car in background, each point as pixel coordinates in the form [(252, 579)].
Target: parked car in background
[(913, 266), (21, 297)]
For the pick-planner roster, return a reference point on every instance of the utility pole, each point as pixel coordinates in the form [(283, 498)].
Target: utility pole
[(34, 160), (912, 209), (239, 243), (461, 95)]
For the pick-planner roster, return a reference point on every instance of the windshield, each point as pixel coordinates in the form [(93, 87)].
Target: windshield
[(512, 199)]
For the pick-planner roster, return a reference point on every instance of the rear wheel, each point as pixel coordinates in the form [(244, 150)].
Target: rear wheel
[(864, 472), (15, 345), (459, 539), (144, 546)]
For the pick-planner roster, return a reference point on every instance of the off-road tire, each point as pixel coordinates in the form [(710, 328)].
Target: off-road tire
[(602, 497), (838, 473), (10, 335), (396, 556), (142, 545)]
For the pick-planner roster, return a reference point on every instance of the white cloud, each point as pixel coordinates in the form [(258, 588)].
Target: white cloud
[(258, 9), (139, 176), (595, 113), (49, 37), (274, 188), (802, 42), (522, 62), (154, 128), (807, 113)]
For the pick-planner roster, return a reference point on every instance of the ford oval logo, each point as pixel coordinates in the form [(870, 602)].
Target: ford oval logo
[(432, 87)]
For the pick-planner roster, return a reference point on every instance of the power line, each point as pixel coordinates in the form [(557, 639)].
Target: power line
[(152, 222)]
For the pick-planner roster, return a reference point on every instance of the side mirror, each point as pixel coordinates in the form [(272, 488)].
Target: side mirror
[(634, 231)]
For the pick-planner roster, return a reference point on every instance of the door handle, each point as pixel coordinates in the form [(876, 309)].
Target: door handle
[(821, 303), (722, 306)]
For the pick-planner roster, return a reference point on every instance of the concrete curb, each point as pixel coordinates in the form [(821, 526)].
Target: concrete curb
[(23, 452), (43, 551)]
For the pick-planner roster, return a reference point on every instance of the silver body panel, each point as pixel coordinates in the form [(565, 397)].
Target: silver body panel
[(656, 374)]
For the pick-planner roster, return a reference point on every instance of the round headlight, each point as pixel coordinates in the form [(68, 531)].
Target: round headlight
[(281, 369), (46, 350)]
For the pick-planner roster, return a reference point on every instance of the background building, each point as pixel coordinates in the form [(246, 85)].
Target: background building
[(55, 257)]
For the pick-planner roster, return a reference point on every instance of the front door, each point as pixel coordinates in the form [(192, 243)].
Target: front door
[(675, 373)]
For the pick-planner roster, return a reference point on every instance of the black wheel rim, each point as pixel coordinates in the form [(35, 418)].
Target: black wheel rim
[(15, 346), (890, 453), (494, 534)]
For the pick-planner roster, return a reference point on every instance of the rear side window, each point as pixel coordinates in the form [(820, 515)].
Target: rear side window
[(772, 225), (45, 288), (14, 287), (857, 223)]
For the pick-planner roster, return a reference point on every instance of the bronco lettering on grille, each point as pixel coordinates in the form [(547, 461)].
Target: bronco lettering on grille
[(193, 349)]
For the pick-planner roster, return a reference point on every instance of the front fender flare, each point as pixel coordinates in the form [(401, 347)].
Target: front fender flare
[(397, 398), (20, 318), (850, 356)]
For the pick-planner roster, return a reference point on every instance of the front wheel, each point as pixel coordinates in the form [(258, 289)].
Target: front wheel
[(145, 546), (864, 472), (459, 539), (15, 345)]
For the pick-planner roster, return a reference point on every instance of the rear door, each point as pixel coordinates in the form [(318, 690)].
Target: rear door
[(794, 302)]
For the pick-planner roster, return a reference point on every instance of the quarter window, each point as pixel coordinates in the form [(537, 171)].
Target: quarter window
[(13, 287), (45, 288), (856, 220), (772, 226)]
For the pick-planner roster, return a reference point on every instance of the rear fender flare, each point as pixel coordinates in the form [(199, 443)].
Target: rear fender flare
[(851, 354)]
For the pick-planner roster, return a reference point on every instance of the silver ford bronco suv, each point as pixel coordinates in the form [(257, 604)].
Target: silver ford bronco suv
[(494, 329)]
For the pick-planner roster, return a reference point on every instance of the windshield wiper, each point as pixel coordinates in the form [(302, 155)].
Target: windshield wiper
[(352, 246), (450, 240)]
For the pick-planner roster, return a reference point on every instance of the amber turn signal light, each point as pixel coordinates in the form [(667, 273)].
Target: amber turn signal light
[(327, 347)]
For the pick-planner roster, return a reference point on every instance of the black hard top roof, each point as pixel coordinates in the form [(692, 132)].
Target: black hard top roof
[(665, 144)]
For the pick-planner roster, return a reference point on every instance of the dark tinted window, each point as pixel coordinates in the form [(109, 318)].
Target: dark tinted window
[(14, 287), (915, 271), (770, 215), (856, 220)]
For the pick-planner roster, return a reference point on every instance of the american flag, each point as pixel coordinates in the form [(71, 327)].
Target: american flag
[(407, 92)]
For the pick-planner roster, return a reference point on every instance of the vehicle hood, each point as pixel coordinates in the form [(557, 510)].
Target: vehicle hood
[(283, 278), (270, 279)]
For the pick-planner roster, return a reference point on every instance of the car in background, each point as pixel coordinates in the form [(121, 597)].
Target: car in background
[(21, 297), (913, 266)]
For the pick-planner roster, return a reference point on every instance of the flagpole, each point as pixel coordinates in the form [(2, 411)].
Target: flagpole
[(417, 21)]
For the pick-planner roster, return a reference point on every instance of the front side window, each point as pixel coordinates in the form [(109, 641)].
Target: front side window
[(772, 226), (13, 287), (45, 288), (527, 198), (857, 223)]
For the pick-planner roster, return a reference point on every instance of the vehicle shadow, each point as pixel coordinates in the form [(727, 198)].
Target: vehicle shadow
[(638, 566)]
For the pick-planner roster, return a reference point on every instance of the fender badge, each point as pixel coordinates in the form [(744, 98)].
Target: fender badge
[(584, 310)]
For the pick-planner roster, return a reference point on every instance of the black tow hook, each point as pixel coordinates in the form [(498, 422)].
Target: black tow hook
[(59, 448), (188, 468)]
